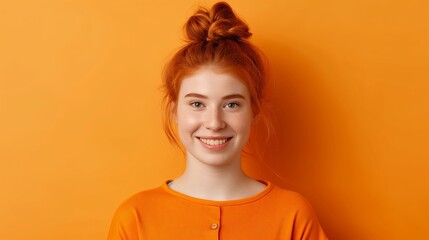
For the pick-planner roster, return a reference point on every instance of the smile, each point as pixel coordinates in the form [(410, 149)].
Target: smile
[(214, 143)]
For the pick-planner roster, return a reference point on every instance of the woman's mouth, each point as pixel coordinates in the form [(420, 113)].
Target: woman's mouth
[(216, 143)]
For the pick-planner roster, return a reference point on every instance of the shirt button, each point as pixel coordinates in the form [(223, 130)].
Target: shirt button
[(214, 226)]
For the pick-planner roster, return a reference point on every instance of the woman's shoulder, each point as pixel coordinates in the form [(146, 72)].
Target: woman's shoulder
[(133, 206), (144, 197), (290, 201), (287, 195)]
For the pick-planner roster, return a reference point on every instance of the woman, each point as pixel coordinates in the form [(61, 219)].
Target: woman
[(213, 93)]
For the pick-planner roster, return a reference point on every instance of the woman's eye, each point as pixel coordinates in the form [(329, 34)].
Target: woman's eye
[(232, 105), (196, 104)]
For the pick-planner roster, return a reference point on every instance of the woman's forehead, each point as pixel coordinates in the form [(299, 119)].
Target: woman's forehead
[(208, 82)]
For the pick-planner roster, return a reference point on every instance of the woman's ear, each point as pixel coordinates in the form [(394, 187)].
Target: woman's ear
[(255, 118), (173, 112)]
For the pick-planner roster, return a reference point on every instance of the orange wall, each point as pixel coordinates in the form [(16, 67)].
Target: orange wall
[(80, 111)]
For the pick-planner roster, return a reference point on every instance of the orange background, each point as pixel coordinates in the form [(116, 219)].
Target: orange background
[(80, 111)]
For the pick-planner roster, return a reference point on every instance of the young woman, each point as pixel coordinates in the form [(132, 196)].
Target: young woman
[(213, 93)]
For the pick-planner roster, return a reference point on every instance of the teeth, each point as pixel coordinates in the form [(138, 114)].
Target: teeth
[(213, 142)]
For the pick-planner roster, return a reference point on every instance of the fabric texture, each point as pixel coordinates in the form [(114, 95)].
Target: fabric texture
[(163, 213)]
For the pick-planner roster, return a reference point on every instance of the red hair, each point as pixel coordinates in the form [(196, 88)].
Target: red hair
[(215, 37)]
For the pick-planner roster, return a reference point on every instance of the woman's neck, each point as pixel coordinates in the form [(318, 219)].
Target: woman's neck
[(218, 183)]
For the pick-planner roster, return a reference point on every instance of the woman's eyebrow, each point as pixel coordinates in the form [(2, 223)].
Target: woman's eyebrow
[(231, 96), (195, 95)]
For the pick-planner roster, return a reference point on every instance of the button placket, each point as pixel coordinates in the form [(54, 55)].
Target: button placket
[(213, 224)]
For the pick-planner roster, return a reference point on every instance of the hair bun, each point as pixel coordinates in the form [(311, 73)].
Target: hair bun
[(217, 24)]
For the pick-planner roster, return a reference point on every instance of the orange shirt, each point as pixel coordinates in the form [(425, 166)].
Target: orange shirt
[(163, 213)]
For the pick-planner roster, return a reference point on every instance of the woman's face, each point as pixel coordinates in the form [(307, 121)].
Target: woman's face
[(214, 116)]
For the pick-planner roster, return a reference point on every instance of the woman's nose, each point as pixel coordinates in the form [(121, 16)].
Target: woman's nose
[(214, 120)]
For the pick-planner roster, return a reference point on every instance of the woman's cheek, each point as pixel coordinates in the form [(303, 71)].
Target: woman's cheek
[(190, 120)]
